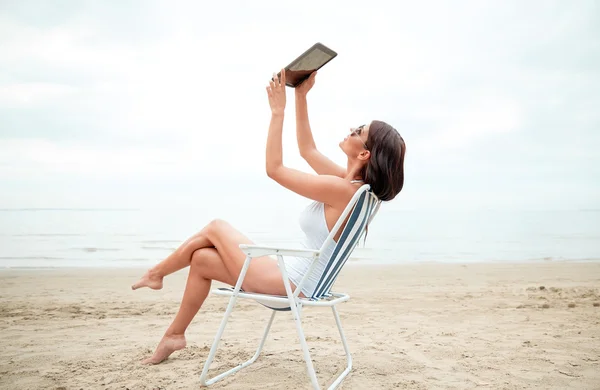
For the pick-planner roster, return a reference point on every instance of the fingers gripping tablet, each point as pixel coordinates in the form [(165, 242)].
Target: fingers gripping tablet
[(311, 60)]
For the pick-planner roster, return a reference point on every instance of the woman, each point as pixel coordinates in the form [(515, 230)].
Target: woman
[(375, 156)]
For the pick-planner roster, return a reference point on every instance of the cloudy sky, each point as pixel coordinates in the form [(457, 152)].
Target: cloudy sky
[(156, 103)]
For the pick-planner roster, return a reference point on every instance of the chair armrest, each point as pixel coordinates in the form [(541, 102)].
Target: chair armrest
[(253, 251)]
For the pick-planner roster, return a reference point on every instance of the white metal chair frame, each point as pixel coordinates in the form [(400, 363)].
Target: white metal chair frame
[(292, 299)]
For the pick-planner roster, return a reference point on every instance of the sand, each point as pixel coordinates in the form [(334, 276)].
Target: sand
[(421, 326)]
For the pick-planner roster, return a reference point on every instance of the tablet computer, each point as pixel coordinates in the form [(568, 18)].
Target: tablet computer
[(308, 62)]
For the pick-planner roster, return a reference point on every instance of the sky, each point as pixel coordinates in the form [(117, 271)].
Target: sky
[(135, 104)]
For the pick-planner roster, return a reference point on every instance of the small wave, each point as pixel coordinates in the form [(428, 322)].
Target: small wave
[(126, 260), (72, 235), (160, 241), (30, 268), (560, 258), (65, 209), (30, 258), (49, 235), (92, 249), (162, 248)]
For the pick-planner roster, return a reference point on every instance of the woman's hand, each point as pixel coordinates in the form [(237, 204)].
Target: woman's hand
[(306, 85), (276, 93)]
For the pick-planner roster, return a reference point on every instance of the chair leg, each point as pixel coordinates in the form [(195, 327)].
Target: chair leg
[(296, 313), (309, 364), (213, 349), (262, 342), (204, 381), (341, 377)]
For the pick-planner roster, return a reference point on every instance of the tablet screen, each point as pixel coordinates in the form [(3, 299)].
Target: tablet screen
[(302, 67)]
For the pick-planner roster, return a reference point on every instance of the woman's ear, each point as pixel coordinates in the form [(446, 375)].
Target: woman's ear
[(365, 155)]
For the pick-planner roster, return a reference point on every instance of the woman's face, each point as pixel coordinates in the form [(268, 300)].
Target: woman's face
[(356, 141)]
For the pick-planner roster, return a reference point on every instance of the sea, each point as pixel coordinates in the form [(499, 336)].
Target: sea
[(102, 237)]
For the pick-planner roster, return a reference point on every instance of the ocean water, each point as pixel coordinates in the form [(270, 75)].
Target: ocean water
[(41, 238)]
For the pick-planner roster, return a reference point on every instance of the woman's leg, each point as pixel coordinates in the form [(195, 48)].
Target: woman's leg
[(226, 239), (223, 262), (206, 266)]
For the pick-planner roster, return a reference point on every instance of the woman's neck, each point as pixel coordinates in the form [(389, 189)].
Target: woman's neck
[(353, 172)]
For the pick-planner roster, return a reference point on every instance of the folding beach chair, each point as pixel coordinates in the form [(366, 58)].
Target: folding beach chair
[(361, 210)]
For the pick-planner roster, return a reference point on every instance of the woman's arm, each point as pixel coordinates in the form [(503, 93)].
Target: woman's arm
[(306, 143), (332, 190)]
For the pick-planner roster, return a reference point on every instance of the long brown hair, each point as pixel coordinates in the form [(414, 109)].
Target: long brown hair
[(385, 170)]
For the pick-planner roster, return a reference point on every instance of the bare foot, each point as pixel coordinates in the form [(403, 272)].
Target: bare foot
[(151, 280), (166, 347)]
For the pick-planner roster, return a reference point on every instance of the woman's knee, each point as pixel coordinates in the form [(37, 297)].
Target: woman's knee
[(215, 226), (208, 264), (202, 259)]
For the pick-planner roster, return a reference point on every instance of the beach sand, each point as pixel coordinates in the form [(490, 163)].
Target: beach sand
[(418, 326)]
